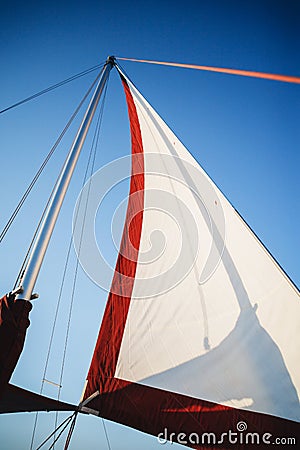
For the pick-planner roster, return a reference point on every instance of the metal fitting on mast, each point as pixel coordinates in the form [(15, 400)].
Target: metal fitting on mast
[(111, 60), (39, 249)]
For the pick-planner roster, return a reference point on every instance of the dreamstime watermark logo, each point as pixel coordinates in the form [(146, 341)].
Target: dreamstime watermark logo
[(183, 225), (231, 437)]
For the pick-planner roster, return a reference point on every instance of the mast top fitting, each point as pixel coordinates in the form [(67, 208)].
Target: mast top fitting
[(111, 60)]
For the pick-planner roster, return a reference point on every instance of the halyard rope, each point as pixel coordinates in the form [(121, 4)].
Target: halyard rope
[(245, 73)]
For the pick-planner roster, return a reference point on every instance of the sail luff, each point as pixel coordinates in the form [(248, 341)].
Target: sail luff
[(110, 335)]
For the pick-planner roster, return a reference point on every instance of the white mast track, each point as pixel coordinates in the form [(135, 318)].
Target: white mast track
[(33, 266)]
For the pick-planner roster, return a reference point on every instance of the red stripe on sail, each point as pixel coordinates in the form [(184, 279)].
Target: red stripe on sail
[(108, 345)]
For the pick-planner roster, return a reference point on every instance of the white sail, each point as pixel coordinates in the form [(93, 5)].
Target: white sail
[(224, 328), (200, 329)]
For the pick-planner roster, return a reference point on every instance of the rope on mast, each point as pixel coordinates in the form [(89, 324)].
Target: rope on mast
[(52, 87), (65, 422), (70, 433), (89, 168), (244, 73), (43, 165), (106, 434)]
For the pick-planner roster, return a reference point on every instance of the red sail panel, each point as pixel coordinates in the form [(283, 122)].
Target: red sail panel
[(15, 399), (210, 351), (167, 414), (14, 321), (110, 336)]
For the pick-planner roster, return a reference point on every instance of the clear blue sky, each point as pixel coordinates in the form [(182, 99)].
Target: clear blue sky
[(244, 132)]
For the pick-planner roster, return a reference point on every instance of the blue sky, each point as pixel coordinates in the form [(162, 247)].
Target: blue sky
[(244, 132)]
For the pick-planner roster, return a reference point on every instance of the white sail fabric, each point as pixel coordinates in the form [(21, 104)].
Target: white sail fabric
[(212, 315)]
